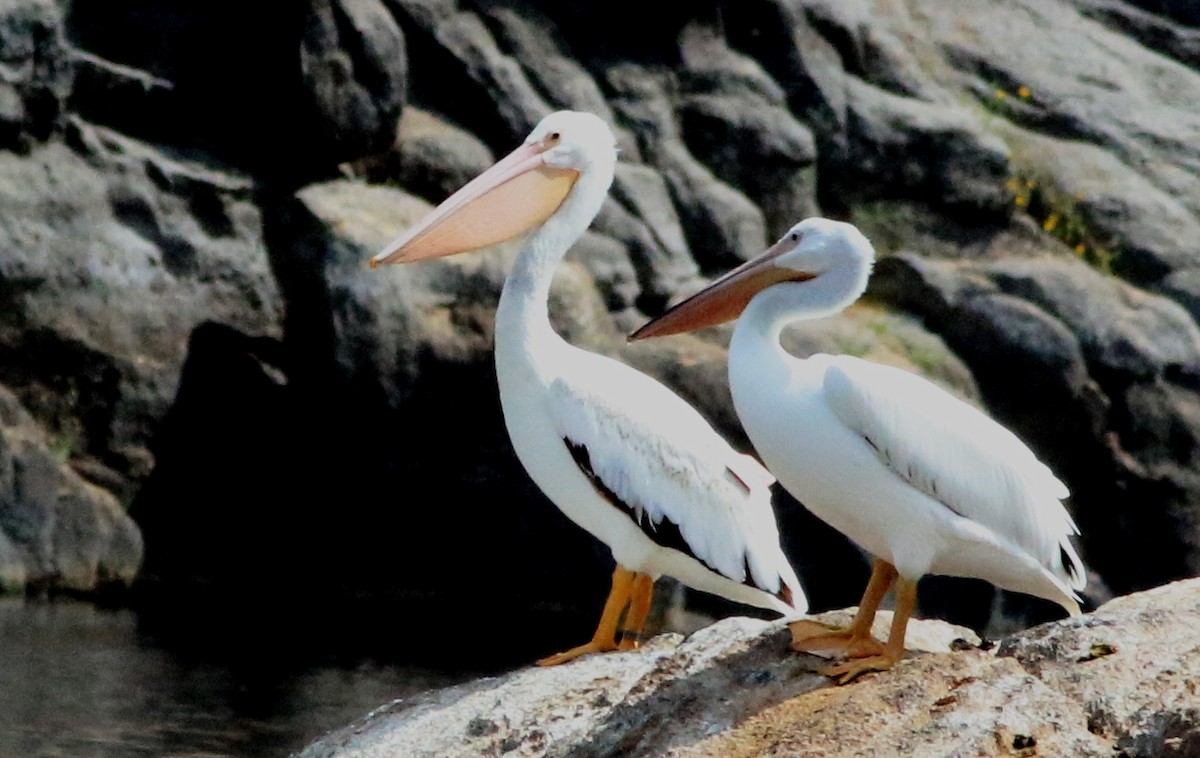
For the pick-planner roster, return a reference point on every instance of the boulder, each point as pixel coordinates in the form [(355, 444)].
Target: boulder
[(462, 66), (363, 455), (57, 531), (120, 250), (733, 117), (1120, 679), (37, 70), (1155, 31), (931, 152), (723, 227), (431, 157), (666, 695), (353, 76), (287, 94)]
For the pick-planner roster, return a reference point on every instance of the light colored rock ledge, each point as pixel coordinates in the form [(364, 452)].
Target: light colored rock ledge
[(1124, 680)]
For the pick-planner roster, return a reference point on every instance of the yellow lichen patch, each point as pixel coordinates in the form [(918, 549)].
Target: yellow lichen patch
[(1058, 213)]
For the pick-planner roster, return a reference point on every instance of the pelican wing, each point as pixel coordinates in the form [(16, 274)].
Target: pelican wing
[(653, 456), (957, 455)]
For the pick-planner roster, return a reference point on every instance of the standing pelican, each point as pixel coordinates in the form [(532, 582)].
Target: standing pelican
[(620, 454), (921, 480)]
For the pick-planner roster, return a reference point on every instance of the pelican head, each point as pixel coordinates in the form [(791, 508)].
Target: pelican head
[(518, 193), (832, 258), (573, 140)]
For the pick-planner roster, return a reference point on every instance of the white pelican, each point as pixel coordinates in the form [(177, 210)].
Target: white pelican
[(620, 454), (921, 480)]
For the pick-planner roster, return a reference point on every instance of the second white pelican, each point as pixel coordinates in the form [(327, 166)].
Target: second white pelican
[(620, 454), (918, 478)]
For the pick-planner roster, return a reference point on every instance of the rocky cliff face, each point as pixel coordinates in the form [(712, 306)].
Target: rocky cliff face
[(1120, 681), (189, 191)]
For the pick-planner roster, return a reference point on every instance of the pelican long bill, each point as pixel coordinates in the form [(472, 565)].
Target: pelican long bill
[(516, 194), (724, 299)]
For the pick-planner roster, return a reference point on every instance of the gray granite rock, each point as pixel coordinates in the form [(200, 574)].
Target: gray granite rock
[(1120, 679)]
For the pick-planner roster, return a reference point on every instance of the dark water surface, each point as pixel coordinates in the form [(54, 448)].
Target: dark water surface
[(78, 680)]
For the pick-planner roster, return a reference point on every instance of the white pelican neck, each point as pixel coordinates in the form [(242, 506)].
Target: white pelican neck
[(825, 295), (527, 289)]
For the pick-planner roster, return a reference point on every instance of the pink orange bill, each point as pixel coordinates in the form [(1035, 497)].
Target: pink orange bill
[(516, 194), (724, 299)]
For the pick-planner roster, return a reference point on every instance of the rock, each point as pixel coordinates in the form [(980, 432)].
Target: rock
[(1152, 31), (1121, 329), (37, 70), (723, 227), (881, 54), (354, 75), (120, 251), (431, 158), (1121, 679), (288, 95), (470, 69), (1133, 666), (642, 192), (1105, 662), (721, 223), (108, 92), (1054, 54), (57, 532), (1183, 286), (1177, 10), (806, 65), (608, 262), (917, 149), (628, 703), (734, 119), (353, 407), (657, 278), (967, 704), (1124, 222), (534, 40)]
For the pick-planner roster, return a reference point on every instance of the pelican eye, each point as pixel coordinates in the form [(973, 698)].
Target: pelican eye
[(553, 137), (795, 236)]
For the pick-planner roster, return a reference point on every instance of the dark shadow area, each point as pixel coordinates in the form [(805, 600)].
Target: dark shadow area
[(273, 529)]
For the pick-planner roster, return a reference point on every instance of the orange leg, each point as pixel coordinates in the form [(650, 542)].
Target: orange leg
[(855, 641), (605, 637), (639, 607), (906, 600)]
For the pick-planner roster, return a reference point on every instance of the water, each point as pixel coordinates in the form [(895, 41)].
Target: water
[(77, 680)]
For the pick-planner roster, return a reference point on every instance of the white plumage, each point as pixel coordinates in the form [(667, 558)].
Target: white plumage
[(660, 458), (920, 479), (915, 475), (617, 452)]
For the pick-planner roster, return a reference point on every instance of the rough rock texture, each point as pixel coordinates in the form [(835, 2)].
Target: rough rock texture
[(56, 530), (113, 254), (371, 359), (1120, 680), (288, 94), (37, 75), (605, 705), (178, 263)]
